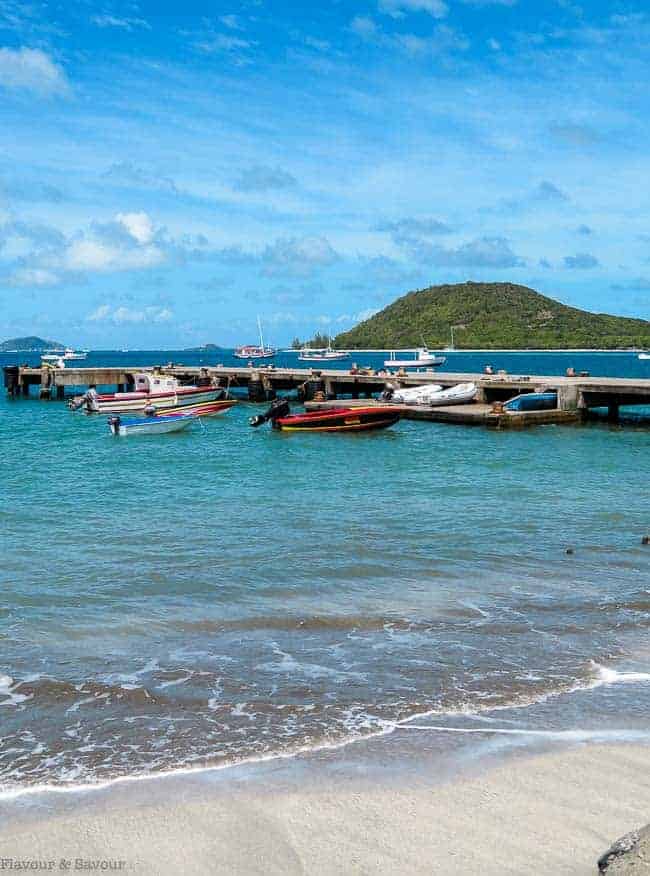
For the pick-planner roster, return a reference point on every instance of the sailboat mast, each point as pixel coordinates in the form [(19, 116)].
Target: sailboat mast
[(259, 326)]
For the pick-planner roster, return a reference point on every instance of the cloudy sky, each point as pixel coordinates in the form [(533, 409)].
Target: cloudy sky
[(170, 170)]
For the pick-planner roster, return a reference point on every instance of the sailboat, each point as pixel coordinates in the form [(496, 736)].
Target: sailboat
[(251, 351), (322, 354)]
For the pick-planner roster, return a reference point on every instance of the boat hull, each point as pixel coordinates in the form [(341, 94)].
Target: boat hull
[(150, 425), (202, 409), (532, 401), (127, 402), (425, 362), (340, 420), (240, 354)]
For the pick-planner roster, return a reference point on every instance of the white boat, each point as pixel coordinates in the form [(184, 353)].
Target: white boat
[(412, 395), (150, 425), (435, 396), (67, 355), (322, 354), (644, 355), (161, 391), (423, 358), (252, 351)]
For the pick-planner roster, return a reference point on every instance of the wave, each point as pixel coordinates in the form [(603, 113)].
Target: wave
[(375, 727)]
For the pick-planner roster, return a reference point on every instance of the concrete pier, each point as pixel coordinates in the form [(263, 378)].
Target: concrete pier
[(576, 395)]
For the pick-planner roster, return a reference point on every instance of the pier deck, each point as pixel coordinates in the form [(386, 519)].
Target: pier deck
[(575, 394)]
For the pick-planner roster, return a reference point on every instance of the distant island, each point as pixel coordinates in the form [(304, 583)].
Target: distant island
[(31, 344), (491, 316), (206, 348)]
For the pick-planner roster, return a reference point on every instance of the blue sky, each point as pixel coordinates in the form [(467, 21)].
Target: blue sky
[(168, 171)]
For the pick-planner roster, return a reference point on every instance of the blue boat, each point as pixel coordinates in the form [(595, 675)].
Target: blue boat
[(155, 425), (532, 401)]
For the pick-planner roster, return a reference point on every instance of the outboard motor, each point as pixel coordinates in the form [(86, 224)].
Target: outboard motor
[(279, 408), (114, 423), (88, 401), (388, 392)]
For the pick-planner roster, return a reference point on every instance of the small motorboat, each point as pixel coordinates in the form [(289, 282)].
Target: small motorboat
[(434, 396), (152, 425), (163, 391), (644, 355), (532, 401), (67, 355), (358, 419), (423, 358)]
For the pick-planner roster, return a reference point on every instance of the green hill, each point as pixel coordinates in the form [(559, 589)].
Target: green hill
[(491, 316), (31, 344)]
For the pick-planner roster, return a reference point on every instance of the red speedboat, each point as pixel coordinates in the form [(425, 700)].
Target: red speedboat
[(358, 419)]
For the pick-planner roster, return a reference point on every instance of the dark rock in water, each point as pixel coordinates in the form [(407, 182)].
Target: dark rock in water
[(645, 539), (569, 551), (628, 855)]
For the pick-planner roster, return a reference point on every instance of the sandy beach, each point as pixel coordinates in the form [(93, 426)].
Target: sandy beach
[(554, 812)]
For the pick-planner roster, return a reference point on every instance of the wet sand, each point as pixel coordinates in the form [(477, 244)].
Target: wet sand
[(554, 812)]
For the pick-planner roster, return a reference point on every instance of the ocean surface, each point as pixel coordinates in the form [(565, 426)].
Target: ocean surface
[(230, 594)]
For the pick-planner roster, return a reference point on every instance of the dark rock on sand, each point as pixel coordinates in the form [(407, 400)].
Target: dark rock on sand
[(628, 856)]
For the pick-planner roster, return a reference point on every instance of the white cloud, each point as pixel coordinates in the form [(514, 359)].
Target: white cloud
[(121, 315), (123, 23), (32, 277), (442, 39), (298, 257), (101, 313), (398, 8), (138, 225), (231, 21), (364, 27), (32, 70)]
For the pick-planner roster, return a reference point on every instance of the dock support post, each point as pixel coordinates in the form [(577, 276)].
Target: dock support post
[(46, 383), (568, 398), (60, 392), (121, 387), (25, 388), (613, 411), (313, 386), (12, 380), (260, 388)]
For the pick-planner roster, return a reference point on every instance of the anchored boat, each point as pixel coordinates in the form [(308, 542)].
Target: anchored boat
[(359, 419), (151, 425), (423, 358), (67, 355), (252, 351), (151, 388), (322, 354)]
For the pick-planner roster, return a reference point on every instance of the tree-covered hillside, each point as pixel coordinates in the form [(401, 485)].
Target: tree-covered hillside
[(492, 316)]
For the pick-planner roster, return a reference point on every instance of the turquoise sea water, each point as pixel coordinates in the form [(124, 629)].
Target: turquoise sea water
[(229, 593)]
